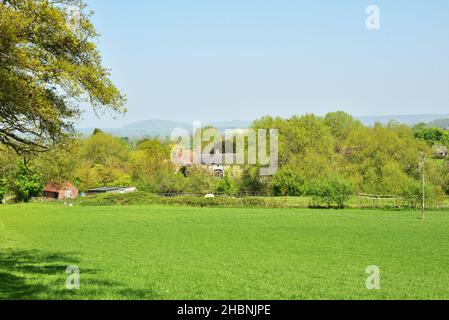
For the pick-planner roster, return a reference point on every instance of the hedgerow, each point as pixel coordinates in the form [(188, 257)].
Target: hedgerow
[(143, 198)]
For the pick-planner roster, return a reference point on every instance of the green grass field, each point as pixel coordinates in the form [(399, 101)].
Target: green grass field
[(145, 252)]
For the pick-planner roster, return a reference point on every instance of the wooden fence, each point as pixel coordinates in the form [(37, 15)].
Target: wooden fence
[(395, 201)]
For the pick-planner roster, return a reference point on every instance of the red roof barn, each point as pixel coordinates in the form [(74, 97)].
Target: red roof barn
[(60, 191)]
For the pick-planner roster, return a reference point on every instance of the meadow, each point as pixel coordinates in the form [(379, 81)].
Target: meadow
[(163, 252)]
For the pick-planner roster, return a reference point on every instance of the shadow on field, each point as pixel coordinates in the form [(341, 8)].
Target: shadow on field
[(34, 274), (23, 273)]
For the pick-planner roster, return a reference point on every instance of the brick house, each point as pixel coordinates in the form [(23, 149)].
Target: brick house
[(60, 191)]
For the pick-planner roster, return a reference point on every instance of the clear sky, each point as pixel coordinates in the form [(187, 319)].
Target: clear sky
[(217, 60)]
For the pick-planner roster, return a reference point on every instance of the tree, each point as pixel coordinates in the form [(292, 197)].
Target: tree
[(151, 168), (381, 159), (299, 136), (102, 148), (86, 177), (27, 182), (341, 124), (47, 68), (334, 191), (413, 193), (102, 161), (58, 164), (433, 136)]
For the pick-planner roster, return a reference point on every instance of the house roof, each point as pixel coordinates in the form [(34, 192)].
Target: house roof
[(104, 189), (109, 189), (57, 187)]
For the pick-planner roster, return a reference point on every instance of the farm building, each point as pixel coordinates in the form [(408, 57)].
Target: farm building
[(111, 190), (186, 158), (60, 191)]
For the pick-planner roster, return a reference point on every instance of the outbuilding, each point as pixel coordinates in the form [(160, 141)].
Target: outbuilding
[(111, 190), (60, 191)]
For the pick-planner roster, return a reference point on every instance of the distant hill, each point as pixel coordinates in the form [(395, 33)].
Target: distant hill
[(163, 128), (410, 120), (440, 123)]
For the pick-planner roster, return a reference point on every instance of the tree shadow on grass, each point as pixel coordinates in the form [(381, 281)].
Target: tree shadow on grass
[(24, 274), (33, 274)]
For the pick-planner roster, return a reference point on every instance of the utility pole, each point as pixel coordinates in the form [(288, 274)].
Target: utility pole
[(423, 193), (423, 168)]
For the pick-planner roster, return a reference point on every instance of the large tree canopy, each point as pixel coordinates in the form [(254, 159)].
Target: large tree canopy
[(48, 68)]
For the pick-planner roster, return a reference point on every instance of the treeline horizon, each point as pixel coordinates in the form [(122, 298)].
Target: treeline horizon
[(333, 152)]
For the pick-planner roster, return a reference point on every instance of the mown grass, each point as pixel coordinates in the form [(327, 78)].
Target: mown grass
[(157, 252)]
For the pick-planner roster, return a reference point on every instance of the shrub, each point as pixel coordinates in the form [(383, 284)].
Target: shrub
[(250, 181), (332, 192), (226, 186), (200, 181), (288, 183)]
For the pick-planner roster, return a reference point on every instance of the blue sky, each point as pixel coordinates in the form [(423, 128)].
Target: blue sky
[(213, 60)]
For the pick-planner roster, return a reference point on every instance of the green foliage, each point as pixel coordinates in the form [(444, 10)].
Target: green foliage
[(8, 163), (432, 135), (445, 182), (376, 160), (341, 124), (121, 181), (3, 188), (150, 167), (250, 181), (27, 182), (102, 148), (102, 161), (379, 159), (331, 192), (413, 194), (226, 186), (287, 182), (59, 163), (200, 181), (48, 68), (144, 198)]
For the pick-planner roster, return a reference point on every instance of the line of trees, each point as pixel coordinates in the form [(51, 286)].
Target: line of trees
[(330, 158)]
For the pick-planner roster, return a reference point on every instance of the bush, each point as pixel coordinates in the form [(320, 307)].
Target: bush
[(200, 181), (332, 192), (226, 186), (250, 181), (288, 183)]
